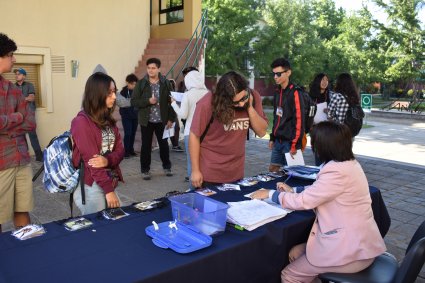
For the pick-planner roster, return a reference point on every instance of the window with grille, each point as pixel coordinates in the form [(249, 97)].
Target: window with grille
[(170, 11)]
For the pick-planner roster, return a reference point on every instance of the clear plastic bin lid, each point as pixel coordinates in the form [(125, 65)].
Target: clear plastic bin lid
[(178, 236)]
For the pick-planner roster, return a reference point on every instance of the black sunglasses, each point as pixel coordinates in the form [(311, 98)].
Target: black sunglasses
[(245, 97), (278, 74)]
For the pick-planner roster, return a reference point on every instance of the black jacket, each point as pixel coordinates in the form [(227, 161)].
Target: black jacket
[(140, 99), (290, 126)]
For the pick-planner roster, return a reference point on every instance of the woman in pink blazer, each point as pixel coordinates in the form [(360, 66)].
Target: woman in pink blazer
[(344, 236)]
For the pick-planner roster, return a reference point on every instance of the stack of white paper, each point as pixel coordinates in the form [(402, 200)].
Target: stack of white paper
[(252, 214), (178, 96), (229, 187), (269, 201), (29, 231), (169, 133)]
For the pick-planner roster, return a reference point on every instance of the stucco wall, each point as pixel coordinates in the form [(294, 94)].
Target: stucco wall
[(108, 32)]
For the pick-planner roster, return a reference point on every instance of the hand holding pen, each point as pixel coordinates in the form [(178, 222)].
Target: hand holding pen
[(282, 187)]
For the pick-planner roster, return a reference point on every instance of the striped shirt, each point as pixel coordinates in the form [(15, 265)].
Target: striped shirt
[(16, 119), (337, 108)]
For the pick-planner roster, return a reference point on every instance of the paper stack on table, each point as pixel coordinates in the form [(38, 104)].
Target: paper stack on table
[(114, 213), (77, 224), (251, 214), (229, 187), (29, 231), (269, 201)]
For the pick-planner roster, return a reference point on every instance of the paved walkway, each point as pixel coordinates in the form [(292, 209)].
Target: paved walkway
[(392, 154)]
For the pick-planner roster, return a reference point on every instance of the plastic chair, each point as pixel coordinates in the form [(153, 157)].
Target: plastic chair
[(385, 268)]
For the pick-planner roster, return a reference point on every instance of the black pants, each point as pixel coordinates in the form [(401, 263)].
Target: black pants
[(175, 138), (164, 151)]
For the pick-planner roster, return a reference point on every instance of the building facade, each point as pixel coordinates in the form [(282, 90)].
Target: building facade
[(60, 43)]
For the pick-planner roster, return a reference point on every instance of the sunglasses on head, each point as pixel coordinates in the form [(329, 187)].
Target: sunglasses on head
[(278, 74), (245, 97)]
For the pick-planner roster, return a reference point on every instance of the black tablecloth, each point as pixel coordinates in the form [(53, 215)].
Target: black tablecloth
[(120, 251)]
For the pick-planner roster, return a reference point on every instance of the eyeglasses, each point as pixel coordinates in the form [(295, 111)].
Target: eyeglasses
[(278, 74), (245, 97)]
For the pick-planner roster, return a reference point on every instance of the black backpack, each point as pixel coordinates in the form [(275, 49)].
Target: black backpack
[(354, 118), (310, 109)]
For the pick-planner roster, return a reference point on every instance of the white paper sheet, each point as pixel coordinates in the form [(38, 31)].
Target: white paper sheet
[(178, 96), (251, 214), (169, 133), (320, 114), (271, 202), (297, 159)]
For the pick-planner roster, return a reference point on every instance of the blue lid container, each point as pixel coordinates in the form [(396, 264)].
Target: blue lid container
[(182, 239), (206, 214)]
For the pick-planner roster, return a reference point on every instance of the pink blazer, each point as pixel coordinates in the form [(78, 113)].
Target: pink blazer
[(344, 230)]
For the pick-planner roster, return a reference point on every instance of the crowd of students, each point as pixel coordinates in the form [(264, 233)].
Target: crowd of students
[(344, 237)]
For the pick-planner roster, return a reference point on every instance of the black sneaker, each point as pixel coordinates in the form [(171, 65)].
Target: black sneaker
[(133, 154), (168, 172), (177, 149), (186, 179), (126, 156), (146, 176)]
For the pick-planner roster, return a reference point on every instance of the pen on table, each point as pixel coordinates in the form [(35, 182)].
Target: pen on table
[(287, 179), (236, 226)]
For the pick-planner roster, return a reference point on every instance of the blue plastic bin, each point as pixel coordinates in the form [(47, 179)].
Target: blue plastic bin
[(204, 213)]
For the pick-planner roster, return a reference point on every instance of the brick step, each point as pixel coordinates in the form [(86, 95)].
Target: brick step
[(162, 57), (168, 51), (168, 40), (166, 46), (159, 52)]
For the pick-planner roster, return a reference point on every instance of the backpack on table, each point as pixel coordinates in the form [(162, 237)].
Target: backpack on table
[(60, 175)]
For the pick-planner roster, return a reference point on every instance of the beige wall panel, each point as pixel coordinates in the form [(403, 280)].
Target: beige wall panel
[(108, 32)]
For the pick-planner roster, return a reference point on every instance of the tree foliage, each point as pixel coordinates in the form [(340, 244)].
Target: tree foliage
[(317, 37), (232, 25), (402, 40)]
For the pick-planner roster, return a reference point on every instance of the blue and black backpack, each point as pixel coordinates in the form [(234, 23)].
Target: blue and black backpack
[(60, 175)]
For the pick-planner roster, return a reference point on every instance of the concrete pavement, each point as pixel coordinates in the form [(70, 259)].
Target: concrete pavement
[(392, 153)]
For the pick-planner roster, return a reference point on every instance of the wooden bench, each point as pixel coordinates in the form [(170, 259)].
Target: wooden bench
[(400, 105)]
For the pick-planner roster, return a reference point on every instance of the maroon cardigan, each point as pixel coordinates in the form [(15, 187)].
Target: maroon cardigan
[(87, 138)]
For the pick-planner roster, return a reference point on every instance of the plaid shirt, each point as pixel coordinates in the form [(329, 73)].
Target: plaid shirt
[(337, 108), (16, 119)]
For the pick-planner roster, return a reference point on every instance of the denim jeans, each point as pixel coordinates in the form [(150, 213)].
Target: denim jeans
[(278, 152), (189, 163), (95, 199), (130, 128), (34, 143)]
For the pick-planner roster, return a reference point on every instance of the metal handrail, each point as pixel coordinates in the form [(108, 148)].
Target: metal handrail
[(196, 37)]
